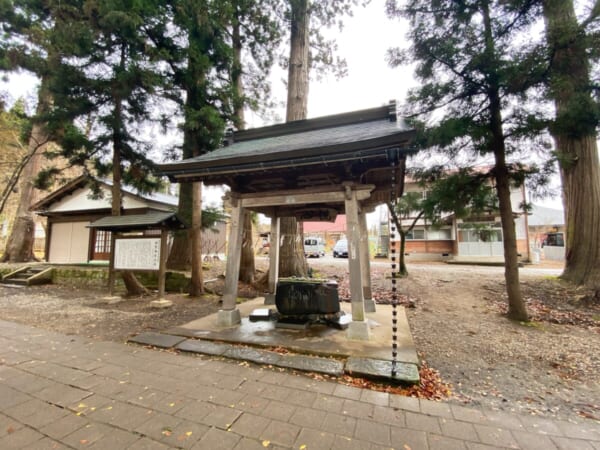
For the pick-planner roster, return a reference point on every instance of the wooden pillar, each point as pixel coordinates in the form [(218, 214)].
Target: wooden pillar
[(358, 329), (111, 264), (229, 315), (273, 260), (365, 262), (162, 266)]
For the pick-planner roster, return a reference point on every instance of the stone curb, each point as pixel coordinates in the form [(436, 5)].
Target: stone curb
[(406, 373)]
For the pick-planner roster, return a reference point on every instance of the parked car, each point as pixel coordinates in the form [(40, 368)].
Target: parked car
[(314, 247), (340, 249)]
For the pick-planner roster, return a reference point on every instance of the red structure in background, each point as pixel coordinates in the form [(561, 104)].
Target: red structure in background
[(330, 232)]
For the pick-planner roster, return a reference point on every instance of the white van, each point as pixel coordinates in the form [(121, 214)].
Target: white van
[(314, 247)]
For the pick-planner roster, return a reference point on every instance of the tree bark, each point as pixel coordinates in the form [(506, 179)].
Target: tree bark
[(516, 305), (247, 263), (132, 285), (197, 282), (19, 246), (292, 261), (180, 256), (299, 63), (575, 138), (15, 176), (402, 269)]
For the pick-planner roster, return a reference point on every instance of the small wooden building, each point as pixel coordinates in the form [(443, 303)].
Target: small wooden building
[(71, 208)]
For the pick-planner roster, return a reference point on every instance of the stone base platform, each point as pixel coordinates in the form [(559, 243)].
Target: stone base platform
[(316, 349)]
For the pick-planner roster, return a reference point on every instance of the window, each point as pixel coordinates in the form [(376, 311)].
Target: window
[(415, 234), (479, 233), (444, 234), (102, 244), (554, 240)]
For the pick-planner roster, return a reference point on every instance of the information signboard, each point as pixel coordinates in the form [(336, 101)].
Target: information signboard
[(137, 254)]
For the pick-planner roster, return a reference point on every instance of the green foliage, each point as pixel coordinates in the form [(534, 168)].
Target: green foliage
[(104, 88), (458, 69), (210, 217), (255, 38), (45, 178), (464, 193)]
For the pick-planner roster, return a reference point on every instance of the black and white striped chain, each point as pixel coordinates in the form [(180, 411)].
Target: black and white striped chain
[(393, 203)]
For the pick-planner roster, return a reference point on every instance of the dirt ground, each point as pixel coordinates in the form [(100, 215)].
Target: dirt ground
[(549, 367)]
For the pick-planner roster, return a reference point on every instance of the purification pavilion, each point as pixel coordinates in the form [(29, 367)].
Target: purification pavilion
[(310, 169)]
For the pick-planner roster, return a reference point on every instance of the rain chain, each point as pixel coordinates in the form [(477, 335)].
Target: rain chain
[(393, 202)]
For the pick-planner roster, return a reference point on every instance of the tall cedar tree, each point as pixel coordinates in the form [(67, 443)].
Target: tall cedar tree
[(13, 152), (292, 261), (309, 51), (572, 45), (255, 37), (201, 57), (30, 40), (110, 76), (473, 78)]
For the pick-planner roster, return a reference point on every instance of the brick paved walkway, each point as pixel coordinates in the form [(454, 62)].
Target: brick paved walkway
[(60, 391)]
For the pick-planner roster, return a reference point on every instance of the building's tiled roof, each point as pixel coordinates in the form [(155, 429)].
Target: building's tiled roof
[(152, 196), (150, 220), (544, 216), (320, 227), (82, 181)]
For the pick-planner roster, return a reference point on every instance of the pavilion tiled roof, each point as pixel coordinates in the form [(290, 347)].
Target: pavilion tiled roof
[(341, 137)]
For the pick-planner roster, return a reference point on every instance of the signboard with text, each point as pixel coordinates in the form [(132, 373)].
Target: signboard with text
[(137, 254)]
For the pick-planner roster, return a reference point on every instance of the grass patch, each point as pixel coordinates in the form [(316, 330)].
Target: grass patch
[(532, 324)]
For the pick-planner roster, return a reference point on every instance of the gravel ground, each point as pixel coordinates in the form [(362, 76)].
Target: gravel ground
[(543, 368)]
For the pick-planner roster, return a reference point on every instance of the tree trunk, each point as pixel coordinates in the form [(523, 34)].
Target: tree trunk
[(247, 263), (180, 256), (575, 137), (19, 246), (247, 266), (197, 283), (15, 176), (516, 305), (292, 261), (581, 196), (402, 269), (289, 262), (132, 285), (299, 63)]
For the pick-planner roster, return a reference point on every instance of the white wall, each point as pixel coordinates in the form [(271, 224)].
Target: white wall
[(69, 243)]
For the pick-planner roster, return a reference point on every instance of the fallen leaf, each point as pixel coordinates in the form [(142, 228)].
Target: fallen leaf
[(266, 443), (189, 433), (83, 441), (406, 447)]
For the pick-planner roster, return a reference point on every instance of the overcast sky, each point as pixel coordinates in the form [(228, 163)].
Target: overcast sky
[(363, 42)]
